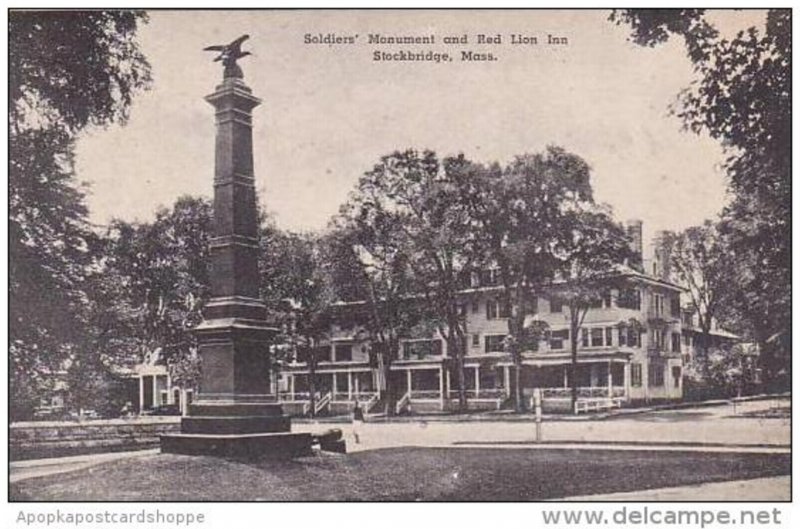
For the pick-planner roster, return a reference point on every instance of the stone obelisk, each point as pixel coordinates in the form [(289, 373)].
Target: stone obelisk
[(234, 413)]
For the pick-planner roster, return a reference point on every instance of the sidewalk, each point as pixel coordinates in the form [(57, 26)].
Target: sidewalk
[(32, 468), (761, 489)]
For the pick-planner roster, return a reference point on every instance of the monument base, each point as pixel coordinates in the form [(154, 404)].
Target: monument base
[(280, 445), (238, 430)]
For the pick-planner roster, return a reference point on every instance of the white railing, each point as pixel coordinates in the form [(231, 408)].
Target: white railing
[(417, 394), (373, 400), (322, 403), (293, 397), (402, 404), (342, 397), (583, 393), (488, 393), (598, 404)]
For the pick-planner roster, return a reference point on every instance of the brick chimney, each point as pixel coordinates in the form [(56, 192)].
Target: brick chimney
[(633, 228)]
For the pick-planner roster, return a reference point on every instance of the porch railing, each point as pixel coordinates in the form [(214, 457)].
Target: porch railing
[(583, 393), (402, 404), (323, 403), (488, 393)]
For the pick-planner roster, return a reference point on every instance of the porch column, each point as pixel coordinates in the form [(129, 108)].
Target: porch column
[(566, 376), (477, 380), (441, 388), (449, 387), (291, 387), (333, 385), (507, 380), (626, 376), (408, 380), (610, 382), (356, 383), (349, 385), (170, 396), (141, 393), (155, 391)]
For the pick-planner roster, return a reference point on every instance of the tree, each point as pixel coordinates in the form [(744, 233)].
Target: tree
[(742, 97), (162, 270), (701, 263), (522, 215), (67, 71), (298, 294), (589, 260), (413, 193), (370, 252)]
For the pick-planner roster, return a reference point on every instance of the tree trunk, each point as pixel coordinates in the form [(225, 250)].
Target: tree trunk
[(312, 383), (573, 344), (518, 405)]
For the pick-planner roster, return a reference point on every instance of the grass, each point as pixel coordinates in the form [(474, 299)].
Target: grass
[(399, 474)]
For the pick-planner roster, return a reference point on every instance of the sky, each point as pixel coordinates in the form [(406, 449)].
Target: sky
[(329, 111)]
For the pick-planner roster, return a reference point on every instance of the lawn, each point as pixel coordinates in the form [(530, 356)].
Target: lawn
[(400, 474)]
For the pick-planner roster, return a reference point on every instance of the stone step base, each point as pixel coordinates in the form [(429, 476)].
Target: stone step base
[(235, 425), (282, 445), (234, 409)]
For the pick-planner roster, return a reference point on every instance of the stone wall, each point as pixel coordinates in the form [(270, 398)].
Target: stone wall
[(34, 440)]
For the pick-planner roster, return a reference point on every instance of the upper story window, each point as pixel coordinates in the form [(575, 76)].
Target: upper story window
[(558, 339), (322, 353), (629, 298), (676, 342), (556, 304), (675, 306), (629, 337), (494, 343), (420, 349), (496, 310), (490, 278), (343, 352)]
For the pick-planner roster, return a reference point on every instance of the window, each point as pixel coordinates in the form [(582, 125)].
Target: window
[(495, 310), (597, 337), (476, 340), (343, 353), (676, 342), (676, 376), (475, 306), (675, 306), (557, 338), (655, 375), (556, 304), (420, 349), (494, 343), (629, 298), (636, 375), (585, 337), (607, 299), (490, 278), (609, 336)]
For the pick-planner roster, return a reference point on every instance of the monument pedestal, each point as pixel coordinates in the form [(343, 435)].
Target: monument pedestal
[(235, 414)]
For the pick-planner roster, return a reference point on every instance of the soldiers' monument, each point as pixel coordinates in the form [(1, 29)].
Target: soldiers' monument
[(235, 414)]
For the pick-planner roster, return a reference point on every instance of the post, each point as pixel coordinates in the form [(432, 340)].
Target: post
[(626, 375), (170, 396), (408, 380), (349, 385), (507, 380), (477, 380), (537, 406), (448, 383), (441, 388), (610, 382), (357, 388), (141, 394), (156, 400)]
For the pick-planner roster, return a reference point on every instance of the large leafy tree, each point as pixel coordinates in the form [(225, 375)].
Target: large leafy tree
[(162, 266), (701, 263), (67, 70), (522, 215), (742, 97), (369, 251), (413, 193), (590, 257), (299, 294)]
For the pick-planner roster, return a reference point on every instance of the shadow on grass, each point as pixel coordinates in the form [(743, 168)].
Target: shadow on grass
[(399, 474)]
